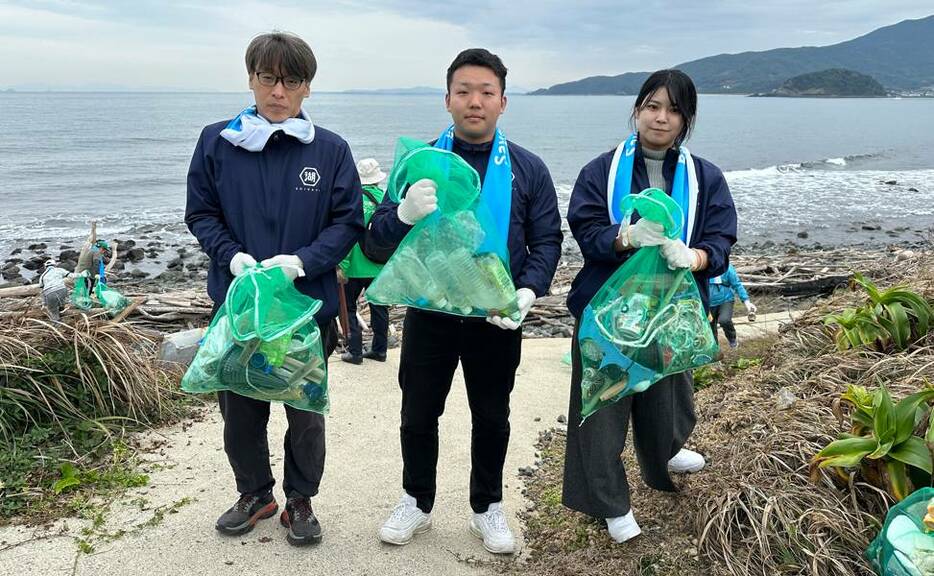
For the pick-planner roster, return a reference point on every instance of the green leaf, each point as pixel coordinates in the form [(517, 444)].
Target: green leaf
[(868, 286), (899, 317), (883, 422), (913, 452), (64, 484), (906, 413), (898, 479), (846, 452), (929, 436)]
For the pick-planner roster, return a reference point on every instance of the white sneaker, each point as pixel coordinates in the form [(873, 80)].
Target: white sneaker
[(405, 522), (623, 528), (491, 527), (686, 461)]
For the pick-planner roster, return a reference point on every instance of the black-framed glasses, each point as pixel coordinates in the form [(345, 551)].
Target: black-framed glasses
[(270, 80)]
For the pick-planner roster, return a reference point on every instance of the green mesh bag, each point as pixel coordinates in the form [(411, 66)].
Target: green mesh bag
[(80, 295), (905, 545), (437, 265), (263, 343), (112, 301), (646, 322)]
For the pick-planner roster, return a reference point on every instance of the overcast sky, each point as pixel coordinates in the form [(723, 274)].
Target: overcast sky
[(147, 44)]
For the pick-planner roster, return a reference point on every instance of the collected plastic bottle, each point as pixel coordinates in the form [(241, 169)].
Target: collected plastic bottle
[(418, 277), (591, 351), (471, 228), (446, 277), (449, 236), (471, 280), (502, 289)]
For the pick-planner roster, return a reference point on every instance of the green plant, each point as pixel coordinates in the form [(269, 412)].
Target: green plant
[(893, 318), (882, 440)]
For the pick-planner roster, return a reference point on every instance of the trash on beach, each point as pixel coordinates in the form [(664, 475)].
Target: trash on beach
[(112, 301), (437, 265), (263, 343), (646, 322), (81, 294)]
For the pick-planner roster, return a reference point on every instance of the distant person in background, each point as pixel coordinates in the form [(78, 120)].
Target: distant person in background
[(662, 416), (54, 292), (356, 273), (92, 255), (723, 291)]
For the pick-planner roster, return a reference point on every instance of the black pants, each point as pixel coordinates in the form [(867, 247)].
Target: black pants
[(379, 319), (432, 344), (247, 447), (723, 315), (594, 475)]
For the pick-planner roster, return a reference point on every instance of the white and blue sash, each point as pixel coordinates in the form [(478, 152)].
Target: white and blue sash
[(683, 189), (251, 131), (495, 202)]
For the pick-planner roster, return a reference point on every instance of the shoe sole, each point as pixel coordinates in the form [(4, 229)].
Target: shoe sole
[(627, 537), (266, 511), (690, 470), (292, 538), (476, 532), (418, 530)]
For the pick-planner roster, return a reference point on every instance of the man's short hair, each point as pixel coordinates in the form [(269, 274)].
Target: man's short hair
[(281, 53), (479, 57)]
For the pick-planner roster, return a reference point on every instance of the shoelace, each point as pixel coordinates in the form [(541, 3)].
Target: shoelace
[(245, 503), (399, 512), (497, 520), (301, 509)]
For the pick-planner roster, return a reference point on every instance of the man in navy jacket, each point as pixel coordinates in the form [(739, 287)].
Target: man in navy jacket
[(433, 342), (270, 186)]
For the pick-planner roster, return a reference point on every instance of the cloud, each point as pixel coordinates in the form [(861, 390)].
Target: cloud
[(397, 43)]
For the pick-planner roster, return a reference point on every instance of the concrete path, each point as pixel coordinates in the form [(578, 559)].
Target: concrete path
[(361, 484)]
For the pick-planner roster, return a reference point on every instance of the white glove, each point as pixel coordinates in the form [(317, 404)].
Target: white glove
[(750, 307), (421, 199), (240, 262), (643, 233), (679, 255), (292, 265), (525, 298)]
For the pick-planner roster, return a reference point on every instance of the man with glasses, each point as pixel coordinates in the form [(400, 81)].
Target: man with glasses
[(270, 186)]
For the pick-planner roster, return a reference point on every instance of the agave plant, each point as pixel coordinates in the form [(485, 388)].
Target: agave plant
[(882, 439), (892, 318)]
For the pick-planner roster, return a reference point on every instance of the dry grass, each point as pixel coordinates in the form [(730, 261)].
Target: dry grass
[(753, 511), (93, 371)]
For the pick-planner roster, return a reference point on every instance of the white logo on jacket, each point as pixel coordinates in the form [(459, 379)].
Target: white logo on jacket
[(309, 176)]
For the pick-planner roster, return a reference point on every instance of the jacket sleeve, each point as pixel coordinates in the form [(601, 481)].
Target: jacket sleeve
[(737, 285), (588, 217), (346, 221), (719, 232), (384, 232), (203, 214), (542, 235)]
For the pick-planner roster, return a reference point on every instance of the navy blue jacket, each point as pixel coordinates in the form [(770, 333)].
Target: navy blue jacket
[(289, 198), (534, 223), (714, 228)]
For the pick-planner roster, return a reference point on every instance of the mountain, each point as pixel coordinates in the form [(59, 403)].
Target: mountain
[(835, 82), (900, 57)]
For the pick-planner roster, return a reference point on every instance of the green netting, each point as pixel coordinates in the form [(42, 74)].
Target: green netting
[(113, 301), (264, 343), (80, 295), (646, 322), (905, 546), (437, 266)]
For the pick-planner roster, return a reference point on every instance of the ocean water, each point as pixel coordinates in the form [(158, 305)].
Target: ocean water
[(823, 167)]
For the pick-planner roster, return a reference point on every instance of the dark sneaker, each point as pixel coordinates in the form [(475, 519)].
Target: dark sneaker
[(242, 516), (298, 517), (351, 359), (370, 355)]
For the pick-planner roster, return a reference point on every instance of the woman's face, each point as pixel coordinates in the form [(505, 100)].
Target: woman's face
[(658, 121)]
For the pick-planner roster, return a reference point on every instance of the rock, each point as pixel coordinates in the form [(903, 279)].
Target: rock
[(34, 263), (905, 255), (11, 273), (68, 254), (526, 471), (785, 398), (137, 273), (912, 189), (126, 244), (537, 419), (562, 419), (802, 234), (871, 227), (174, 263), (16, 251), (182, 251), (891, 182), (36, 247), (134, 254)]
